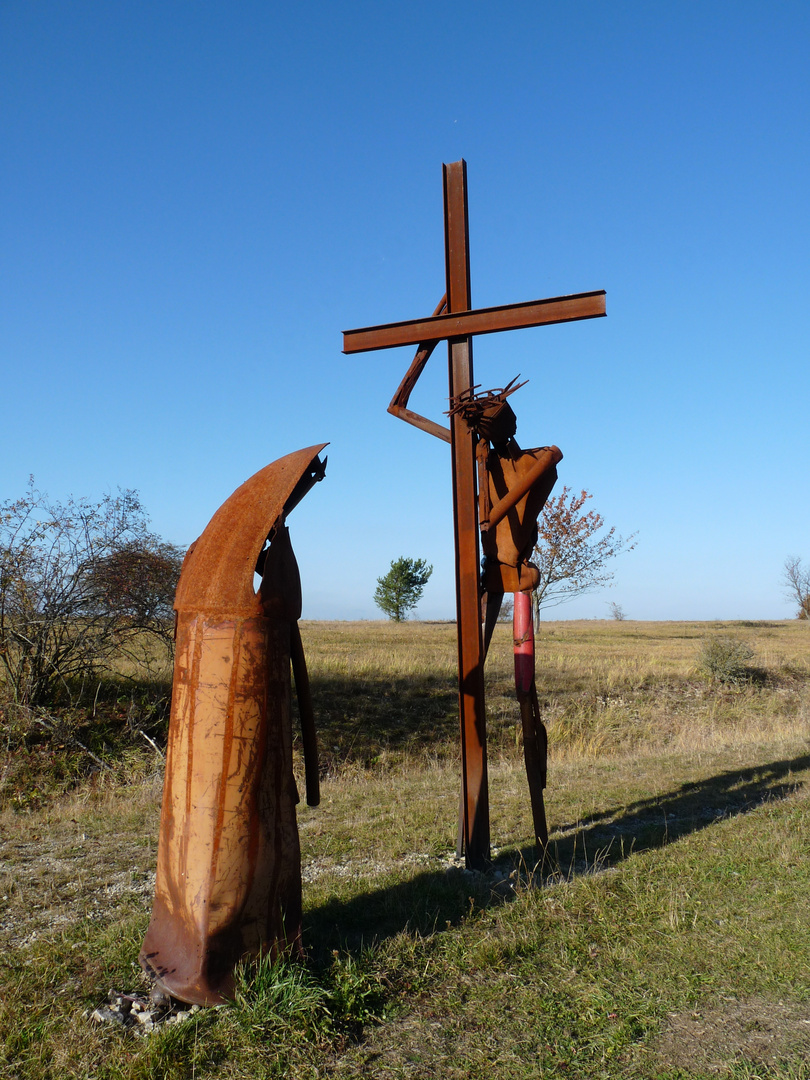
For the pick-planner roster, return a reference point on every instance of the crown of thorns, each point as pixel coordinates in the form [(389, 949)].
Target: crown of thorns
[(487, 412)]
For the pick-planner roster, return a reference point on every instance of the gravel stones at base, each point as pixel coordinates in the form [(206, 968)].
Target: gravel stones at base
[(141, 1015)]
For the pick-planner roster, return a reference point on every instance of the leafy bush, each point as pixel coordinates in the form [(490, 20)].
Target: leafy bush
[(726, 660)]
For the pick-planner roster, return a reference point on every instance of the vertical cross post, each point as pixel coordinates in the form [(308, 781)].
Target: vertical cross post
[(474, 810)]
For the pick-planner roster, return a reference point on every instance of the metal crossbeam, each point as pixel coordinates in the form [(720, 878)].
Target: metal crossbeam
[(556, 309)]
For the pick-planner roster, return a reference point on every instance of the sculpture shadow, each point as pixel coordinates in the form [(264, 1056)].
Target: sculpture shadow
[(438, 900), (605, 838), (360, 717)]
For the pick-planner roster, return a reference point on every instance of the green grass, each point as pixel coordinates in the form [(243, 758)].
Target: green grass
[(667, 938)]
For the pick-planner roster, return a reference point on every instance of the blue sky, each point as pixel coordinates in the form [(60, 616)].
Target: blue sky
[(199, 197)]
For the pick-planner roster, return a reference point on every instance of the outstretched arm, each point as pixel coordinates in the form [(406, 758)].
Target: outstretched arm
[(399, 401)]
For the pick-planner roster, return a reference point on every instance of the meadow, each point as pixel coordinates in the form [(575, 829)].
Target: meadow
[(666, 934)]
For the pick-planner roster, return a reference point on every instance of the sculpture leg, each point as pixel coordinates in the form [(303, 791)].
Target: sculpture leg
[(494, 601), (535, 740)]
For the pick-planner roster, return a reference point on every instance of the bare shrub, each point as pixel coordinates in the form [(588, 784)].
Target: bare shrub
[(796, 579), (79, 582)]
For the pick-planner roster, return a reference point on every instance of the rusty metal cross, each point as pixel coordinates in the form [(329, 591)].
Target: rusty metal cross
[(456, 322)]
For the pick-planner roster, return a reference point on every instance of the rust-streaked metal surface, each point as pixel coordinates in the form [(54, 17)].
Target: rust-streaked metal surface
[(229, 875), (225, 555), (399, 402), (303, 695), (474, 816), (519, 482), (523, 480), (513, 486), (464, 322)]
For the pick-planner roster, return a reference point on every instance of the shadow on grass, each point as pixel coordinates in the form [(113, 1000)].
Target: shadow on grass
[(435, 900), (441, 899), (607, 837), (360, 718)]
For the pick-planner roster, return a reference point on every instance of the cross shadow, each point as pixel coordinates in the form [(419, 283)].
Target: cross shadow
[(604, 838), (440, 899)]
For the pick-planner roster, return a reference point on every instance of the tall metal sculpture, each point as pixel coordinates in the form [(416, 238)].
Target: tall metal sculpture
[(229, 867), (455, 321), (513, 486)]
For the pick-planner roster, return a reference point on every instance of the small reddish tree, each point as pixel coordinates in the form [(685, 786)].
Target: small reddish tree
[(571, 557), (137, 581)]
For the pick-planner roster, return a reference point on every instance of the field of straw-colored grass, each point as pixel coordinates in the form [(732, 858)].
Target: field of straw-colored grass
[(665, 936), (604, 687)]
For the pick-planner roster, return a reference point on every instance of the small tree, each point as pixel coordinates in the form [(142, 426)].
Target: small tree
[(401, 588), (570, 556), (79, 582), (796, 579), (507, 612)]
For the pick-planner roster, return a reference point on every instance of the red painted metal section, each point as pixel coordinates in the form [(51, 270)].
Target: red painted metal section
[(523, 634), (535, 739)]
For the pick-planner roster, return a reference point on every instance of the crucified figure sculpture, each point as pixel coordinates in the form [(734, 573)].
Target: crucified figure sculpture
[(513, 486)]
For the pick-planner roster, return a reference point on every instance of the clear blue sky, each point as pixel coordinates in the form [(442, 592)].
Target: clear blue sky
[(199, 197)]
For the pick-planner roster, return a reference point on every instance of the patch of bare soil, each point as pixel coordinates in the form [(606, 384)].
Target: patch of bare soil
[(710, 1040)]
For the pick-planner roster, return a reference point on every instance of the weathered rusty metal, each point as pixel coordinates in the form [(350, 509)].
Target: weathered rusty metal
[(229, 876), (488, 412), (474, 819), (513, 486), (458, 324), (520, 482), (399, 402), (309, 739), (464, 323)]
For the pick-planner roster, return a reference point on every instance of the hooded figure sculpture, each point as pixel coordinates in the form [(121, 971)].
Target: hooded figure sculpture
[(229, 867)]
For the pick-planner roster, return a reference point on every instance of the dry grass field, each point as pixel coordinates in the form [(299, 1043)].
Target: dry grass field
[(666, 936), (604, 686)]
